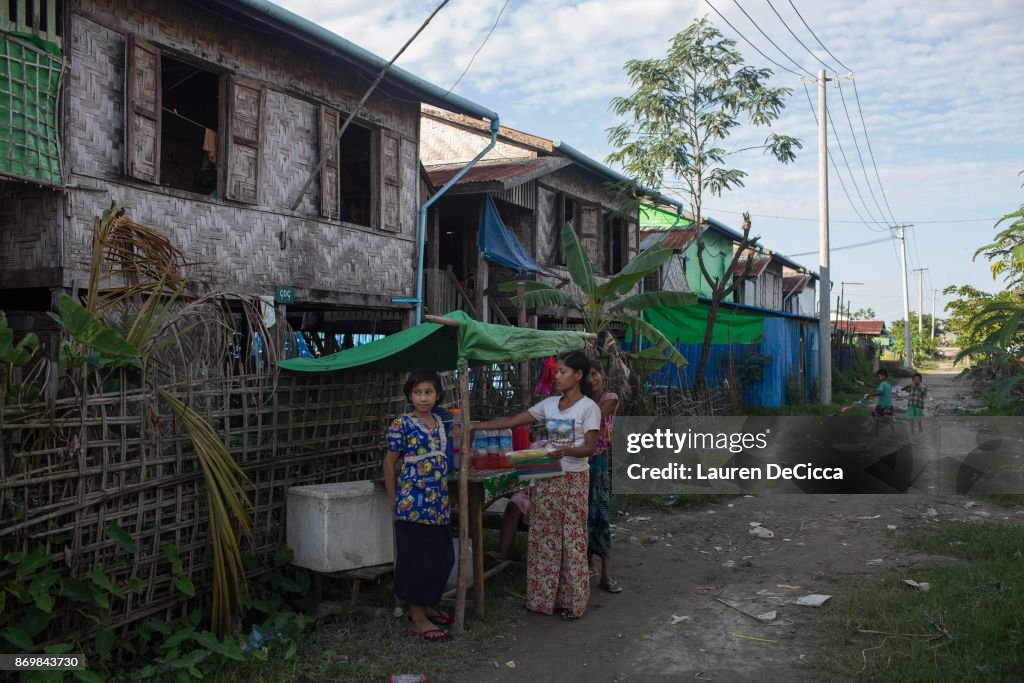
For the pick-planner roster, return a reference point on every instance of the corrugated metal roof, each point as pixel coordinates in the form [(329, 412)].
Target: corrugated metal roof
[(794, 283), (872, 328), (756, 268), (676, 239), (509, 173)]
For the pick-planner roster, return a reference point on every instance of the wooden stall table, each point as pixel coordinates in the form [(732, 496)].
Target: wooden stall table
[(485, 486)]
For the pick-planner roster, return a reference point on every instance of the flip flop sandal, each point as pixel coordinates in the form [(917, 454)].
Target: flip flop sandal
[(442, 619), (612, 586), (434, 635)]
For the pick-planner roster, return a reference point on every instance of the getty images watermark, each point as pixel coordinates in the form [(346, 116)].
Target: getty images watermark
[(829, 455)]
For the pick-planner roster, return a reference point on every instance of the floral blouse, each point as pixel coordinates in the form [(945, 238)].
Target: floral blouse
[(422, 490)]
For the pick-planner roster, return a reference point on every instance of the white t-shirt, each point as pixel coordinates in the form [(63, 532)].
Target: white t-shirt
[(568, 427)]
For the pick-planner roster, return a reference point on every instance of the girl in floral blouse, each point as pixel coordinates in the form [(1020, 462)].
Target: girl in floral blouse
[(419, 498)]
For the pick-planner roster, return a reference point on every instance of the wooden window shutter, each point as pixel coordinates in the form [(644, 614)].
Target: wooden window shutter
[(142, 111), (589, 225), (632, 240), (391, 177), (244, 132), (330, 195)]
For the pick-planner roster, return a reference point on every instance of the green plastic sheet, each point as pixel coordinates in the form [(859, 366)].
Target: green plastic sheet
[(432, 346), (686, 324), (30, 73)]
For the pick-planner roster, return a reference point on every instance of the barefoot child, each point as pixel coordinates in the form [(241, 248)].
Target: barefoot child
[(915, 403), (883, 410), (419, 498), (556, 568)]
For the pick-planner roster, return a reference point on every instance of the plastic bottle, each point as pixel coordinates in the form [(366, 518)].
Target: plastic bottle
[(481, 437), (504, 441), (493, 442)]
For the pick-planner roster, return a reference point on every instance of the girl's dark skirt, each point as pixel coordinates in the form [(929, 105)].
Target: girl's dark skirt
[(424, 562)]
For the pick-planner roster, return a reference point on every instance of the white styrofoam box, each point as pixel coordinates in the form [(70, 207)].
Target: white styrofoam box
[(336, 527)]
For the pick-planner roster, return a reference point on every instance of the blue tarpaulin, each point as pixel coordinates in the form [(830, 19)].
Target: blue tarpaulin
[(498, 244)]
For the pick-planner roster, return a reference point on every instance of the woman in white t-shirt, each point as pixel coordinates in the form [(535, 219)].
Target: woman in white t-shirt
[(557, 575)]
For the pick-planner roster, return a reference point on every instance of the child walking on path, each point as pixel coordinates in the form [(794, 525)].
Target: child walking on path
[(556, 565), (419, 498), (915, 403), (599, 532), (883, 410)]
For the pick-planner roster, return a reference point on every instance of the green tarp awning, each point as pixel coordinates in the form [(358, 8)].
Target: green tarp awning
[(686, 324), (432, 346)]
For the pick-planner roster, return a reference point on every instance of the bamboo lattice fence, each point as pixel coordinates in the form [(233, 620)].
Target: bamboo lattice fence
[(121, 457)]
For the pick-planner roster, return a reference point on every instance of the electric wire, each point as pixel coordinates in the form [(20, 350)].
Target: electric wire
[(747, 40), (486, 38), (838, 220), (860, 156), (871, 154), (839, 175), (797, 37), (816, 37), (781, 51), (848, 246)]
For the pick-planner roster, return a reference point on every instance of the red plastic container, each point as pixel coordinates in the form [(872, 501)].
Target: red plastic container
[(521, 438), (492, 462)]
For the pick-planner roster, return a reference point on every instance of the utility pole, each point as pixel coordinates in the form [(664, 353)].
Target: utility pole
[(934, 292), (908, 359), (920, 301), (824, 328)]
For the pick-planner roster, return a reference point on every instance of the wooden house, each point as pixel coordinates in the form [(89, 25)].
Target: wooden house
[(209, 121), (537, 186)]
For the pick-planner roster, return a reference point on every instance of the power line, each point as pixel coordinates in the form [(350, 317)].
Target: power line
[(797, 37), (848, 246), (781, 51), (486, 38), (860, 156), (870, 152), (747, 40), (839, 175), (836, 220), (816, 37)]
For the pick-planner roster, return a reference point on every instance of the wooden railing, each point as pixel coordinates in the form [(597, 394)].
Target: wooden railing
[(444, 293)]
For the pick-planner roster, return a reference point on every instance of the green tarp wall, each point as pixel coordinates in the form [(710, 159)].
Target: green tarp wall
[(685, 324), (30, 74)]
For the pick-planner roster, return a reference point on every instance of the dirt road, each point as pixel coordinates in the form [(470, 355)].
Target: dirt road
[(667, 624)]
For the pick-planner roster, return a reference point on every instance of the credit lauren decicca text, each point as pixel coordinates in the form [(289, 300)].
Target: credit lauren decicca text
[(669, 440)]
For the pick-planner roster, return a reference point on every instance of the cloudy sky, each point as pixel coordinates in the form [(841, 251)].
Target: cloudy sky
[(940, 83)]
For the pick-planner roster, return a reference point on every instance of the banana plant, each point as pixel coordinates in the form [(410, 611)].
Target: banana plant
[(611, 303)]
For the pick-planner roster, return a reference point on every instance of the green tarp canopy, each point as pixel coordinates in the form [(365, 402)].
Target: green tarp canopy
[(686, 324), (432, 346), (653, 218)]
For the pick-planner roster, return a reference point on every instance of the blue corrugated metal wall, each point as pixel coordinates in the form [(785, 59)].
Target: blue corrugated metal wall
[(781, 344)]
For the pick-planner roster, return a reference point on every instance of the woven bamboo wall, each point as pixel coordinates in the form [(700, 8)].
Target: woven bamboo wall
[(25, 244)]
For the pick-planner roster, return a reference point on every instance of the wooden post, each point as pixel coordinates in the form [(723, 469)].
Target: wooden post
[(524, 367), (463, 582)]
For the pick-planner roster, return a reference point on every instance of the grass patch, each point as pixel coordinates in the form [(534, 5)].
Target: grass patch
[(968, 627), (639, 501), (1007, 500), (369, 643)]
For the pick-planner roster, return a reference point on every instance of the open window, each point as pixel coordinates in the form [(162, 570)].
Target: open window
[(616, 243), (361, 180), (190, 128)]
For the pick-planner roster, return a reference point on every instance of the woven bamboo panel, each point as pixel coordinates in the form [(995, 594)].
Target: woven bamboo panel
[(123, 458), (25, 240)]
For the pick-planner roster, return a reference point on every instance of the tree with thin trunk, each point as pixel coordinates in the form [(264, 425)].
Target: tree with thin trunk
[(682, 110)]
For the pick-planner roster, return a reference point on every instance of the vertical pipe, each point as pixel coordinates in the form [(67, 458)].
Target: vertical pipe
[(908, 360)]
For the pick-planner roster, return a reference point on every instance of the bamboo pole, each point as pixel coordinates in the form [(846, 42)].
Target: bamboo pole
[(463, 583)]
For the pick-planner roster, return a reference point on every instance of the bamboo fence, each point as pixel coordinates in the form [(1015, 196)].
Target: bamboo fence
[(120, 457)]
